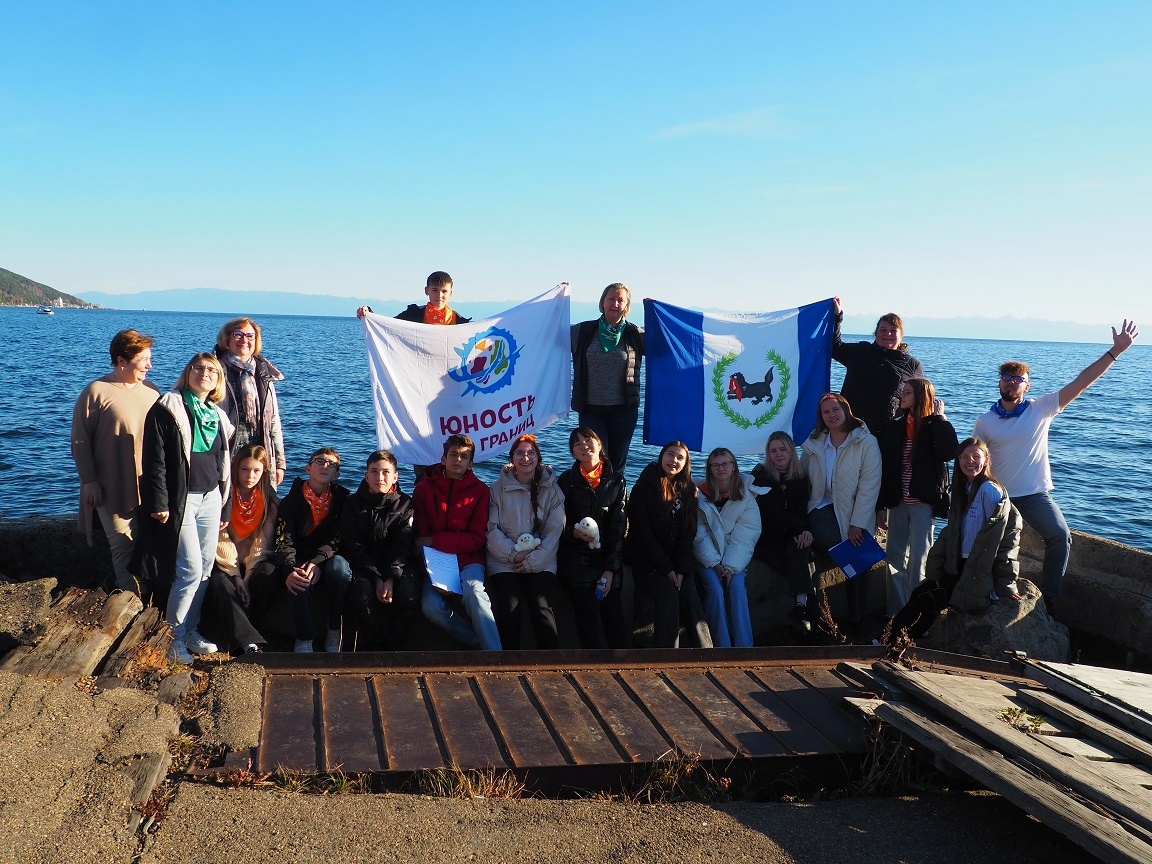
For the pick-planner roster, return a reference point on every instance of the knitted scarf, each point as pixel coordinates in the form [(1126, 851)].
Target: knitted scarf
[(246, 373)]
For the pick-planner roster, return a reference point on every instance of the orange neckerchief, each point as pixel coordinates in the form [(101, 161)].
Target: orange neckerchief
[(707, 492), (319, 505), (432, 315), (910, 426), (246, 515), (593, 476)]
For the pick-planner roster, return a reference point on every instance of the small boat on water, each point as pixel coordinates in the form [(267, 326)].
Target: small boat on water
[(45, 310)]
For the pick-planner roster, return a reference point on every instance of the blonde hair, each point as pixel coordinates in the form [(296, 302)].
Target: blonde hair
[(735, 485), (204, 357)]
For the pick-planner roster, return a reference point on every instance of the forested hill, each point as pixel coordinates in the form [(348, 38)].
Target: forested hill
[(17, 290)]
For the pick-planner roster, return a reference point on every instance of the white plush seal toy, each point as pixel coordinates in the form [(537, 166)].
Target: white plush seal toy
[(588, 526), (525, 543)]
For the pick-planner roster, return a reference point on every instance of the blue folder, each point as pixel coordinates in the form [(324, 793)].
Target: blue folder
[(854, 560)]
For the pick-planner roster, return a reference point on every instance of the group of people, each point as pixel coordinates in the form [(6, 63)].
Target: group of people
[(184, 485)]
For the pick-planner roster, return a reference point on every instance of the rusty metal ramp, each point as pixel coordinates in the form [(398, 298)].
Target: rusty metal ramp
[(553, 718)]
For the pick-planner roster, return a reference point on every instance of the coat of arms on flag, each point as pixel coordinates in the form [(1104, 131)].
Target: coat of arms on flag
[(725, 380)]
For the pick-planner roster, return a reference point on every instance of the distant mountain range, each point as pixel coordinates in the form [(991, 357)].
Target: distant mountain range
[(16, 290), (288, 303)]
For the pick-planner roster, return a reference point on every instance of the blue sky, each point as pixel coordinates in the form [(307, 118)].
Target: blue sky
[(936, 159)]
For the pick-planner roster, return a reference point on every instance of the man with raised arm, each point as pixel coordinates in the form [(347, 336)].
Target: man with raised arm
[(1016, 431)]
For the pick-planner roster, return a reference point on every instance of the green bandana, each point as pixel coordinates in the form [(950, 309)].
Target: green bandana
[(205, 422), (609, 335)]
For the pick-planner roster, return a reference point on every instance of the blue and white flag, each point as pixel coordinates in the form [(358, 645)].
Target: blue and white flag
[(717, 380), (492, 380)]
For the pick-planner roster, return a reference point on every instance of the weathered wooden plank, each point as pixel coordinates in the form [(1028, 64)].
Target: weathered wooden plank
[(81, 629), (1128, 774), (1090, 691), (1081, 748), (848, 733), (408, 728), (470, 740), (350, 739), (147, 640), (575, 724), (1101, 837), (798, 735), (934, 690), (633, 730), (1090, 726), (290, 730), (677, 720), (735, 728), (529, 742)]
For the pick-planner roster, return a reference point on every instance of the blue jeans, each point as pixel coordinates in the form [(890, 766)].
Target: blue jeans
[(1045, 518), (334, 579), (910, 530), (615, 425), (726, 609), (474, 625), (195, 555)]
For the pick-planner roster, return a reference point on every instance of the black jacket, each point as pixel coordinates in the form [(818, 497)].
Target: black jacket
[(376, 534), (871, 376), (415, 313), (582, 336), (294, 547), (576, 563), (164, 487), (934, 448), (783, 509), (660, 535)]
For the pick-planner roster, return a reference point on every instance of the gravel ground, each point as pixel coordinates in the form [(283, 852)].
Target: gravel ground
[(208, 825)]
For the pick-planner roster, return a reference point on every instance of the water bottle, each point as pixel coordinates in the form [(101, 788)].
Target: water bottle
[(601, 587)]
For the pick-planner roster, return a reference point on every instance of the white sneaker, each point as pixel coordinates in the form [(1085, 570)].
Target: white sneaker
[(197, 644), (303, 646), (332, 642), (177, 653)]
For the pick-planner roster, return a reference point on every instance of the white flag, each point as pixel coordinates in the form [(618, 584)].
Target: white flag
[(492, 380)]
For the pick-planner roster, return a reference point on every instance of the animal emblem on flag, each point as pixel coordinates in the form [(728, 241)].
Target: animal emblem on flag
[(430, 381), (730, 380), (755, 393), (487, 361)]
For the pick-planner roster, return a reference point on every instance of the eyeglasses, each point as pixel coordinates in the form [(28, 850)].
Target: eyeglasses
[(726, 464), (1013, 379), (525, 454), (240, 334), (206, 370), (321, 462)]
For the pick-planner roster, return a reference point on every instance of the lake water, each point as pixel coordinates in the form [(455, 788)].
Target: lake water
[(1099, 445)]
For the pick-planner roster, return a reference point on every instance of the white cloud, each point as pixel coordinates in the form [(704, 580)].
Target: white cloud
[(766, 122)]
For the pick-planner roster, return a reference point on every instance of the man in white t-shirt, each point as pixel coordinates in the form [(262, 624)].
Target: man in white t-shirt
[(1016, 431)]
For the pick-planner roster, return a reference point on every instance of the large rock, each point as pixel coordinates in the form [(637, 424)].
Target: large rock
[(49, 546), (23, 612), (1007, 625)]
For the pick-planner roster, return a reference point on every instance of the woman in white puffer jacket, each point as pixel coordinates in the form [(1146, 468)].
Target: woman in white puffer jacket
[(726, 535)]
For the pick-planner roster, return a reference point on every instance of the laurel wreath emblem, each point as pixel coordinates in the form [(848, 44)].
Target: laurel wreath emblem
[(719, 390)]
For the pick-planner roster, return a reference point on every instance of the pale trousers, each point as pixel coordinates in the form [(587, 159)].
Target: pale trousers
[(911, 528), (195, 555)]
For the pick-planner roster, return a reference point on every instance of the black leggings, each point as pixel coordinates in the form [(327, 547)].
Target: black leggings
[(925, 603), (504, 591)]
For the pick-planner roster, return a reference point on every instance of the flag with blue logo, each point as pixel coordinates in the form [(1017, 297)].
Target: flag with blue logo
[(720, 380), (492, 380)]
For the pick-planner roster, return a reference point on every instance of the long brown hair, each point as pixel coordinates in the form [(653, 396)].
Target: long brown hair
[(962, 496), (735, 484), (850, 419), (534, 488), (681, 486)]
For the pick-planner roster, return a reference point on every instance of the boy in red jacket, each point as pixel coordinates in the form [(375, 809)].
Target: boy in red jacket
[(452, 516)]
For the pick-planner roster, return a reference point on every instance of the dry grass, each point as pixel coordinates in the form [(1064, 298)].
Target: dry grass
[(455, 782), (893, 765), (674, 777)]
